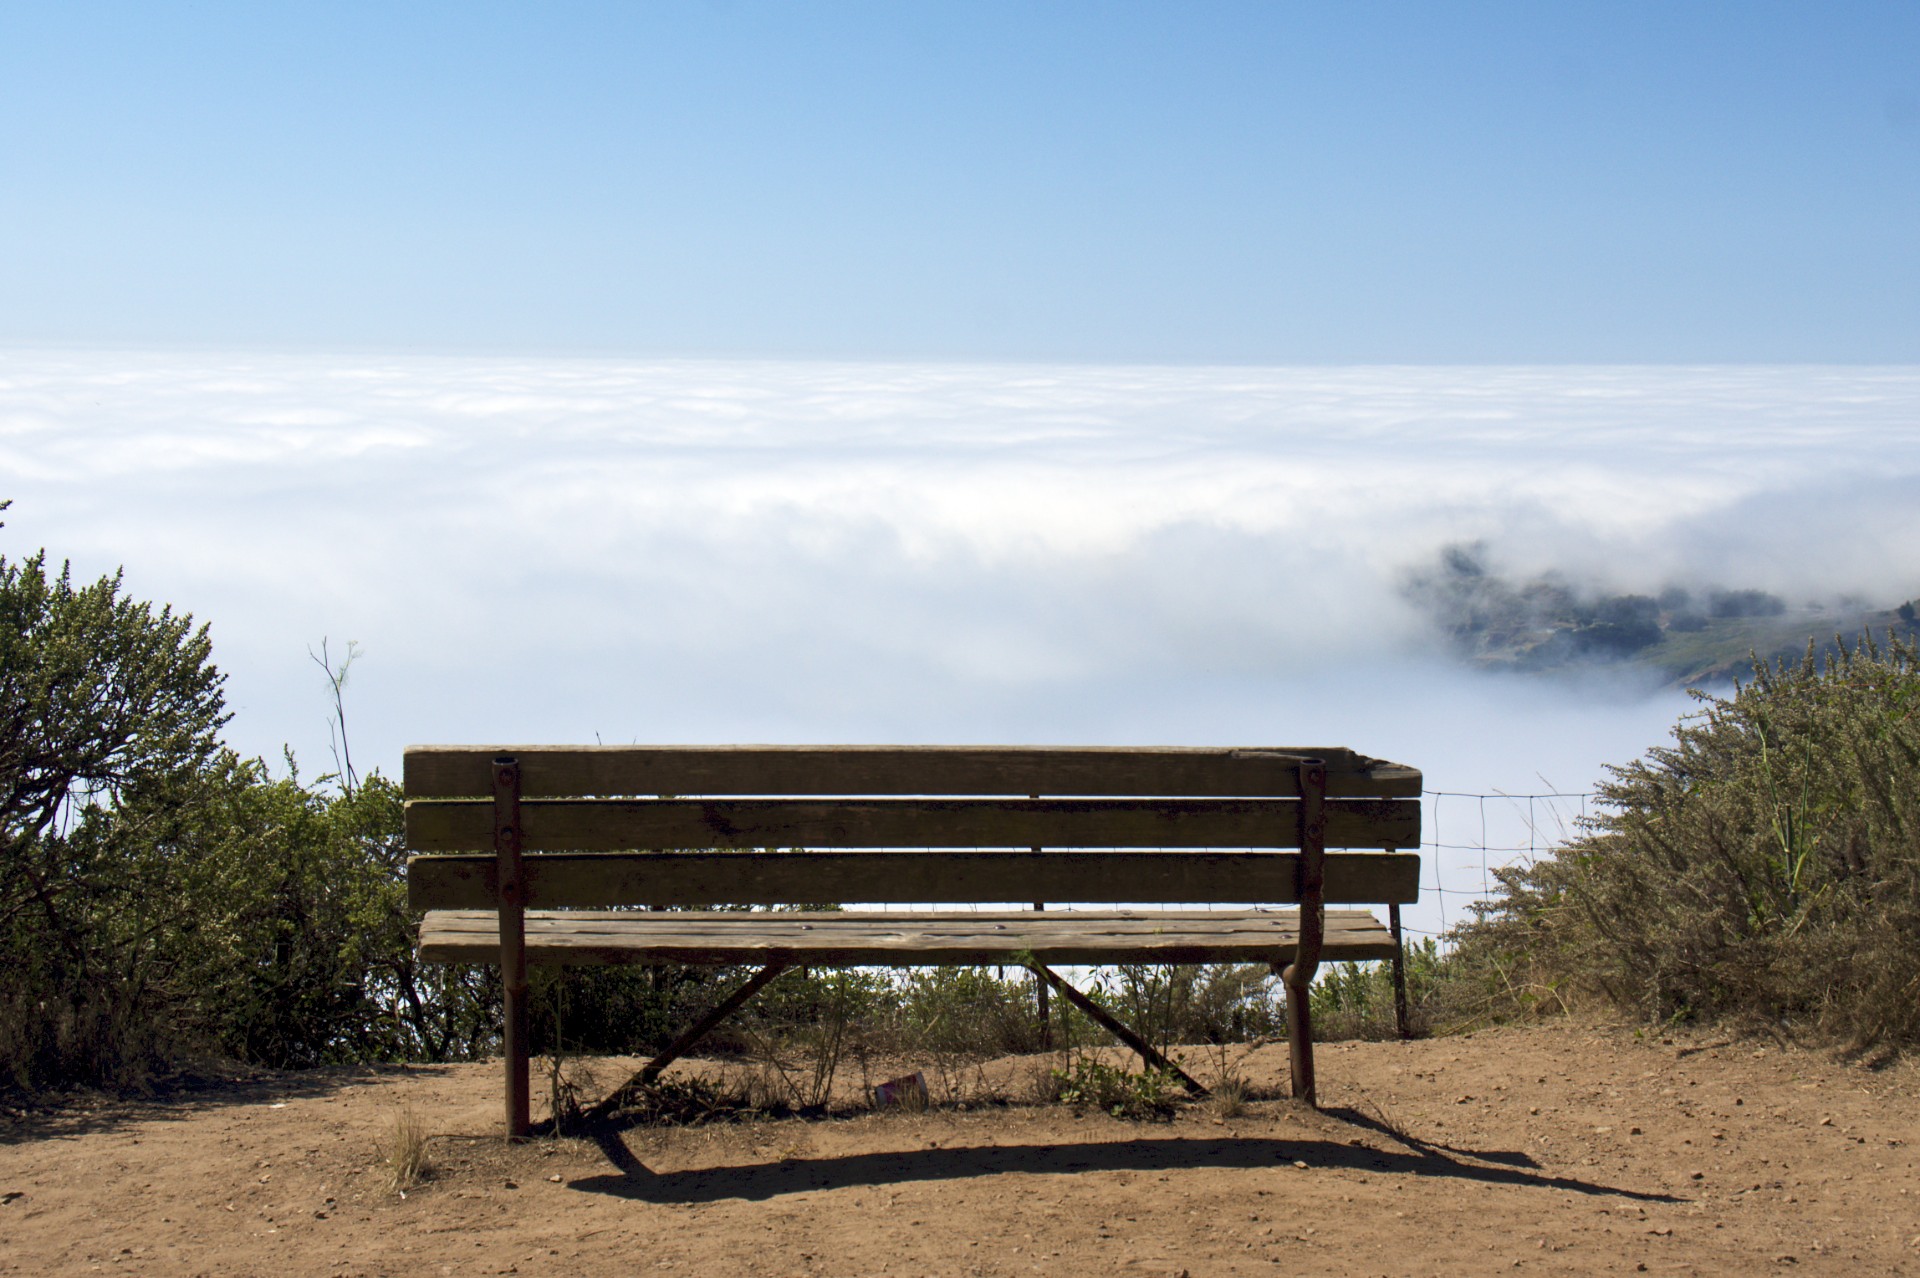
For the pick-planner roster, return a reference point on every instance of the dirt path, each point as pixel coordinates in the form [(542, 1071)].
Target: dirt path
[(1551, 1150)]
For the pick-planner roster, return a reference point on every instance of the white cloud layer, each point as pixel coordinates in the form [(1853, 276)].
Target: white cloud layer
[(554, 549)]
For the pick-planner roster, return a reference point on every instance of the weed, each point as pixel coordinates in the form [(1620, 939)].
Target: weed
[(568, 1078), (1093, 1083), (685, 1102)]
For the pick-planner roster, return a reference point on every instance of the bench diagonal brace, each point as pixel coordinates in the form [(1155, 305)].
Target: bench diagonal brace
[(680, 1046), (1114, 1026)]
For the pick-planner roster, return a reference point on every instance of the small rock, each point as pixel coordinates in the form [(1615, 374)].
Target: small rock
[(1697, 1175), (512, 1184), (555, 1178)]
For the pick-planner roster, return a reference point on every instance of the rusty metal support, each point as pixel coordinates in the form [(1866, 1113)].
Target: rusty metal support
[(1040, 990), (1402, 1014), (1298, 975), (511, 886), (1114, 1026), (680, 1046), (1040, 999)]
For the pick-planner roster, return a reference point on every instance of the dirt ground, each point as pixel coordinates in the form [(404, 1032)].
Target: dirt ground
[(1562, 1149)]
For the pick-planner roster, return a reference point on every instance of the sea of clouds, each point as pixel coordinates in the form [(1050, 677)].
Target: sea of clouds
[(626, 550)]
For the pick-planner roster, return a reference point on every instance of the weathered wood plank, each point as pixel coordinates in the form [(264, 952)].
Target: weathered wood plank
[(594, 825), (573, 771), (589, 880), (917, 939), (899, 925)]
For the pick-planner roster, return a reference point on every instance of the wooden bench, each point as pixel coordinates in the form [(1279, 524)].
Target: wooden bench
[(526, 854)]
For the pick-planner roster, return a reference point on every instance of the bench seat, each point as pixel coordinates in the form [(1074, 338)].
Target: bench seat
[(900, 939)]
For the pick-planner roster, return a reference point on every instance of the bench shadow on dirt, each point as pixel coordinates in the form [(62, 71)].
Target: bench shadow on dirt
[(761, 1181)]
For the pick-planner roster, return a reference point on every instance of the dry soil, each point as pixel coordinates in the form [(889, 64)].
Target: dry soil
[(1561, 1149)]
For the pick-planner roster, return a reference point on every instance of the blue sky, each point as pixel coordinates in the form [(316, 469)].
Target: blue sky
[(1258, 183), (828, 372)]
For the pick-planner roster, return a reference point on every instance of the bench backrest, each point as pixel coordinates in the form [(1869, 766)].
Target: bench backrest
[(681, 825)]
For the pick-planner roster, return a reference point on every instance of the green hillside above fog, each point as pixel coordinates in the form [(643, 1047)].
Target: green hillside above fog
[(1687, 637)]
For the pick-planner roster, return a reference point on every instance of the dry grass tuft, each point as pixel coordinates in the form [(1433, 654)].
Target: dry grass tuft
[(1228, 1098), (406, 1152)]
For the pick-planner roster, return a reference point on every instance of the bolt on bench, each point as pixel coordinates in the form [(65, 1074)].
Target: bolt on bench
[(526, 853)]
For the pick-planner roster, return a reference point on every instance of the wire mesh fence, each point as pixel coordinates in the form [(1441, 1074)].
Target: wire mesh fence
[(1467, 835)]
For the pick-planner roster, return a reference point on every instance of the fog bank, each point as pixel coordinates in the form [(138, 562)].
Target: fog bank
[(547, 550)]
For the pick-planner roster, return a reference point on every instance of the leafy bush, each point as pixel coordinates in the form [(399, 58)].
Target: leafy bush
[(1766, 866), (103, 700)]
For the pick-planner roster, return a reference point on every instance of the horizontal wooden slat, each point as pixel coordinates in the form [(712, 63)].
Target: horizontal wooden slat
[(597, 825), (919, 939), (573, 771), (592, 880)]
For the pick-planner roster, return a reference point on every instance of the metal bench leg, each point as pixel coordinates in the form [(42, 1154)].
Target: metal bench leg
[(1114, 1026), (1040, 990), (1298, 975), (1040, 1001), (680, 1046), (1402, 1014), (512, 901)]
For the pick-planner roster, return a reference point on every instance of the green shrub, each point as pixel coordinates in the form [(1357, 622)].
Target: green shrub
[(967, 1011), (1195, 1002), (163, 900), (1355, 1000), (1764, 867), (619, 1011)]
